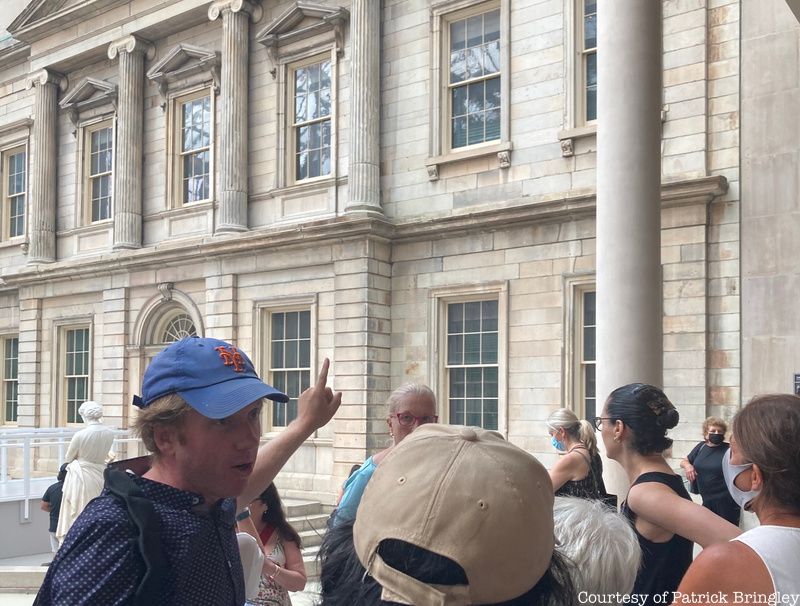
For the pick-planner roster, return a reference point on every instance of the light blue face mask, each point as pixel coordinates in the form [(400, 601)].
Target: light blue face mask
[(557, 444), (730, 472)]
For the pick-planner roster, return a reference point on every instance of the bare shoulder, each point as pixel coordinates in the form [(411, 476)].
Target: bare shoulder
[(724, 568)]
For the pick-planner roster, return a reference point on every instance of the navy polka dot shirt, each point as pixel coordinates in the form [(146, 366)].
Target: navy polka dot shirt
[(100, 563)]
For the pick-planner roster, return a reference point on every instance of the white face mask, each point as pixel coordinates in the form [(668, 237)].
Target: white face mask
[(731, 471)]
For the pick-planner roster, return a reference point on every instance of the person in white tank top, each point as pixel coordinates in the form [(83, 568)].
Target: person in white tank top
[(762, 470)]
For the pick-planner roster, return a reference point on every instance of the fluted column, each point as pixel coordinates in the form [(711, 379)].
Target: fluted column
[(42, 183), (629, 293), (128, 149), (234, 88), (365, 55)]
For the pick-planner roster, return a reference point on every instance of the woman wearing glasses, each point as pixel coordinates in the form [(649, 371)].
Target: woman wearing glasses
[(410, 406), (634, 425)]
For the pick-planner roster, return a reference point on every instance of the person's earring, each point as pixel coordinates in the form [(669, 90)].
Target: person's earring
[(616, 439)]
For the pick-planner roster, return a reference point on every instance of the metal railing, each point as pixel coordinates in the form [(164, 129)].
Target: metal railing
[(41, 451)]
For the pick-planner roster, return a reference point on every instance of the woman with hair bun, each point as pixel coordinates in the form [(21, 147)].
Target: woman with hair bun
[(579, 472), (633, 425)]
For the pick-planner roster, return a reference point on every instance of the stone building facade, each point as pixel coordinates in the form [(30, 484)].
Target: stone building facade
[(407, 187)]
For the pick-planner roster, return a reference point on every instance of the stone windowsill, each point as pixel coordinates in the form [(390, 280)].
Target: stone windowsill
[(306, 187), (183, 210), (96, 227), (502, 149), (18, 241), (567, 137)]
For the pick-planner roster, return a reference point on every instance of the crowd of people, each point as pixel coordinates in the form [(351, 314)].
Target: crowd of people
[(446, 515)]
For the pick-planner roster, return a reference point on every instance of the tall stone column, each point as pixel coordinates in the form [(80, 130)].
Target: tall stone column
[(234, 88), (629, 297), (42, 182), (365, 55), (128, 148)]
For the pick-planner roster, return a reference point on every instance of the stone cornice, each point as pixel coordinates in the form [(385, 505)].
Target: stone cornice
[(235, 6), (523, 211), (42, 18), (16, 53)]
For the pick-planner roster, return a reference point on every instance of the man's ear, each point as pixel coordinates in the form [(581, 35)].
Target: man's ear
[(166, 439)]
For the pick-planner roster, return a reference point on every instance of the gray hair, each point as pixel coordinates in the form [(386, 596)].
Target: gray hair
[(90, 411), (579, 429), (601, 543), (409, 389)]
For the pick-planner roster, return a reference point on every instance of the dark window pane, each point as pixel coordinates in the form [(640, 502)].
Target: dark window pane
[(314, 163), (458, 35), (305, 354), (475, 129), (475, 97), (490, 418), (489, 315), (475, 30), (301, 167), (292, 319), (472, 348), (459, 134), (589, 302), (277, 326), (588, 343), (291, 354), (492, 125), (589, 377), (459, 100), (492, 94), (591, 104), (489, 348), (455, 349), (472, 316), (455, 318), (277, 354), (303, 136), (491, 26), (490, 382), (305, 324), (325, 74)]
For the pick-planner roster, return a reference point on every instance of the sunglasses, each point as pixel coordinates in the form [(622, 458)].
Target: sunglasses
[(406, 419)]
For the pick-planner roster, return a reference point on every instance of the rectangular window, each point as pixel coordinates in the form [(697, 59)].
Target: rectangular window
[(14, 192), (474, 82), (588, 51), (587, 353), (195, 149), (289, 360), (472, 363), (100, 162), (76, 371), (312, 120), (10, 393)]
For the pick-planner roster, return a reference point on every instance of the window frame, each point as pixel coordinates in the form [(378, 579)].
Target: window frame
[(5, 221), (263, 311), (576, 123), (439, 300), (291, 126), (63, 412), (441, 150), (575, 288), (5, 380), (88, 129), (176, 101)]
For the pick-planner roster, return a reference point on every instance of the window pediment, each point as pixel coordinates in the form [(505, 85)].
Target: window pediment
[(186, 63), (44, 17), (300, 25), (88, 94)]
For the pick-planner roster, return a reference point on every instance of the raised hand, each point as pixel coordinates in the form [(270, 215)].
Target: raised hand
[(317, 405)]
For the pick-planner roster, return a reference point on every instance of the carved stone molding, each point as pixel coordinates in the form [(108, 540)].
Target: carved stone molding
[(131, 44), (235, 6), (504, 159), (566, 148), (87, 94), (185, 61), (46, 76), (286, 28), (433, 172), (165, 288)]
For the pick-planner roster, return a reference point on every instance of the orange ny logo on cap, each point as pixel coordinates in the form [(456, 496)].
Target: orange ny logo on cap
[(231, 357)]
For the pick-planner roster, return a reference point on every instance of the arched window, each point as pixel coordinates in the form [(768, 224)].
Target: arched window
[(177, 328)]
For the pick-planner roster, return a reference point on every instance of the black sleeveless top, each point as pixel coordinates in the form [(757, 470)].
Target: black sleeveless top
[(590, 487), (663, 564)]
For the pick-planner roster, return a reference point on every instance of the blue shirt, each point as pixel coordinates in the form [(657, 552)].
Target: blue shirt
[(353, 491), (100, 562)]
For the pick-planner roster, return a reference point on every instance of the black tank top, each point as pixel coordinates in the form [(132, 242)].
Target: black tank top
[(591, 486), (663, 564)]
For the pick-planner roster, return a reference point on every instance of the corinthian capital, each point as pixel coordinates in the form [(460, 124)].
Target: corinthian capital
[(131, 44), (46, 76), (251, 7)]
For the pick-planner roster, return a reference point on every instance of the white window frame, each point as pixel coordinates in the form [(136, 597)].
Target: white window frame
[(5, 221), (175, 103), (263, 311), (440, 298), (292, 126), (575, 54), (88, 129), (441, 153), (575, 286), (63, 412), (5, 380)]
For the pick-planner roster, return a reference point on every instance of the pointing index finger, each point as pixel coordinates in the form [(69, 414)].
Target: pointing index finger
[(322, 379)]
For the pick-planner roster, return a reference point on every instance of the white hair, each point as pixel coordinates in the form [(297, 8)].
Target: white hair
[(90, 411), (409, 389), (601, 543)]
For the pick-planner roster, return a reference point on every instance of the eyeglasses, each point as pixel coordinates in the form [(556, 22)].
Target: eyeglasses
[(598, 422), (406, 419)]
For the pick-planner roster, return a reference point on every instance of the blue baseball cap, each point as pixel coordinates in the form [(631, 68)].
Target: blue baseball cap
[(215, 378)]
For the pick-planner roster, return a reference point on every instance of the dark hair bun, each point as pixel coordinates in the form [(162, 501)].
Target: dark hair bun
[(668, 418)]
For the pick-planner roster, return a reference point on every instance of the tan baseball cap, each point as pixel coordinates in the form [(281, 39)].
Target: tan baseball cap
[(467, 494)]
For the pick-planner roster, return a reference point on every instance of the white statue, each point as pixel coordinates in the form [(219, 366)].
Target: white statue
[(89, 451)]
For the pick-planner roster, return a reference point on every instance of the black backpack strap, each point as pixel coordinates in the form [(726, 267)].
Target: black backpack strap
[(143, 515)]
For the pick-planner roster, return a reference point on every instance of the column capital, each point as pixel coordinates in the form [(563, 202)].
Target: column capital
[(47, 76), (131, 44), (235, 6)]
